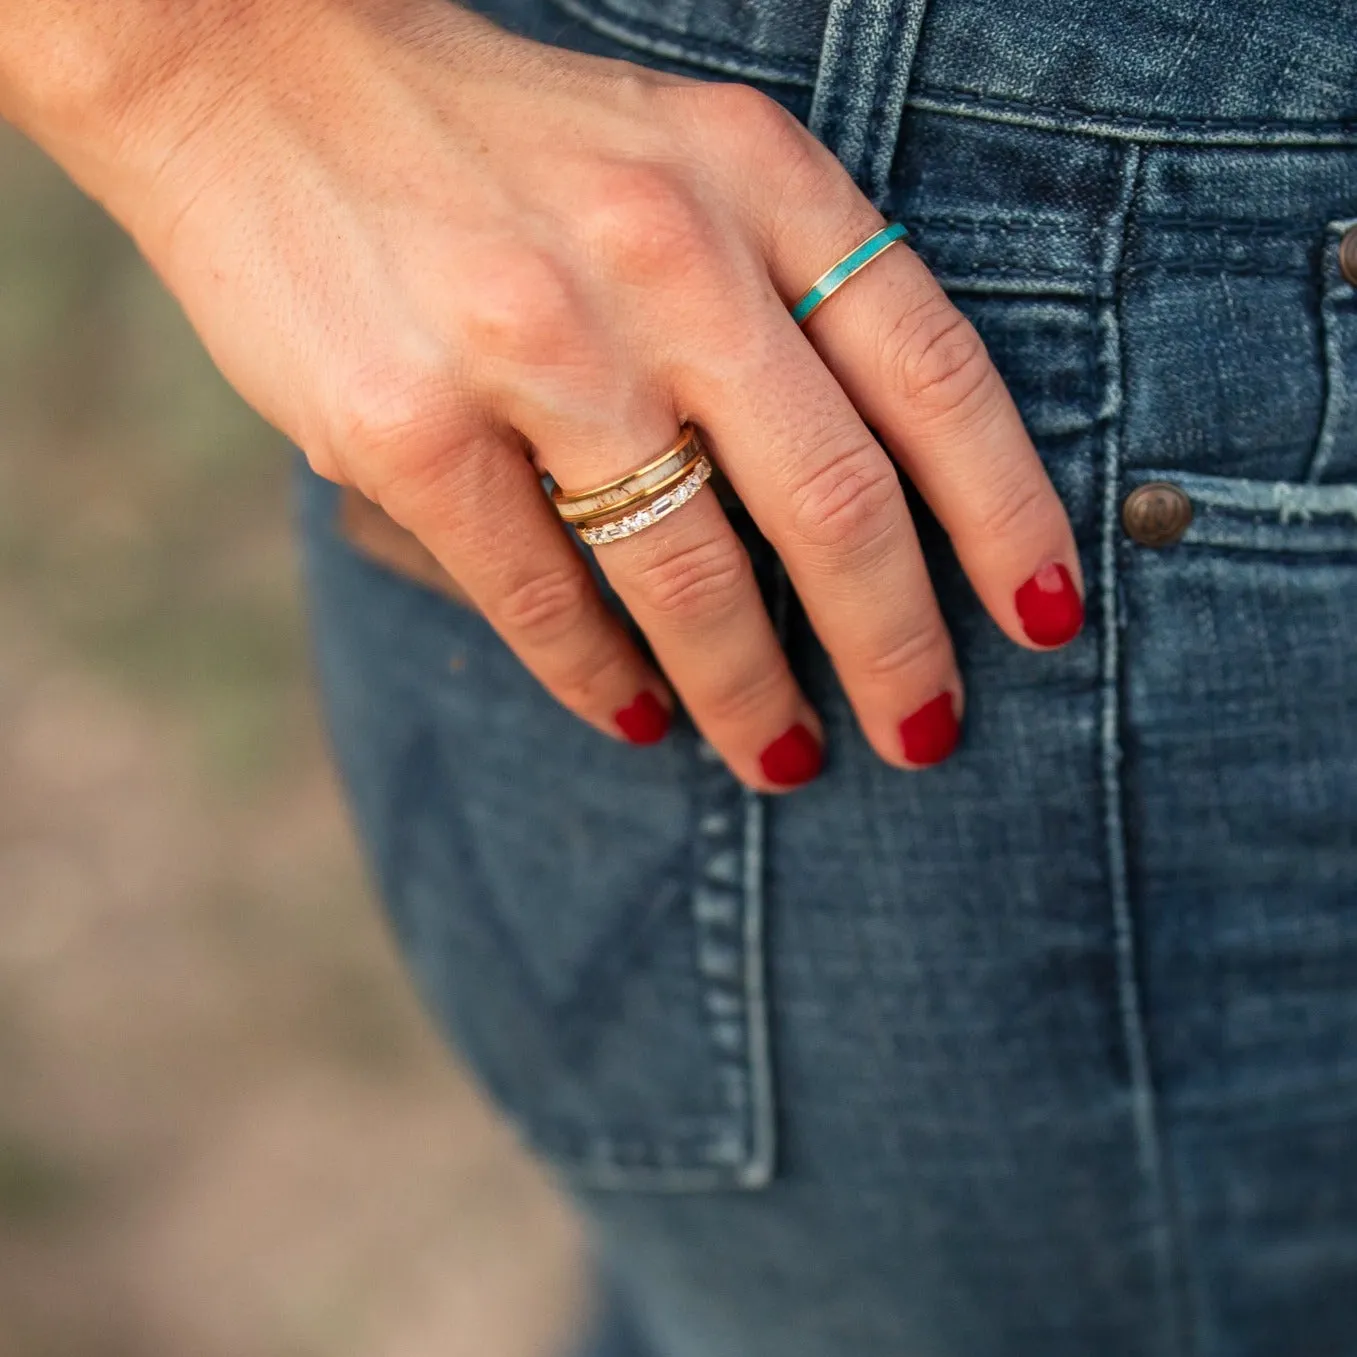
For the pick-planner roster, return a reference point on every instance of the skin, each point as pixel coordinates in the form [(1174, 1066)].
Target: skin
[(429, 252)]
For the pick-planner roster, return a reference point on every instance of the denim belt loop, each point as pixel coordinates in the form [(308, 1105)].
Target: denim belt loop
[(865, 63)]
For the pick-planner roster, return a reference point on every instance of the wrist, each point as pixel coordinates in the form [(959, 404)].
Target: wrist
[(74, 71), (115, 90), (131, 96), (105, 87)]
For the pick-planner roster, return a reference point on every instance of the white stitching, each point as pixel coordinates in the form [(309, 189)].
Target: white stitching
[(1129, 989)]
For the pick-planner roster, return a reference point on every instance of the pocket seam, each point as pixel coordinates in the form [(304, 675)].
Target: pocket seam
[(726, 910)]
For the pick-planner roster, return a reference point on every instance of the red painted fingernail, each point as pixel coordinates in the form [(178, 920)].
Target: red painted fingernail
[(793, 758), (931, 733), (645, 721), (1049, 606)]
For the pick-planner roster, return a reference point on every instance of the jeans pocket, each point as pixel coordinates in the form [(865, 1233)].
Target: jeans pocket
[(583, 918)]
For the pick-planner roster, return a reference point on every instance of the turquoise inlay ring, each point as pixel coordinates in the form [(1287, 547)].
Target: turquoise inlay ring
[(853, 262)]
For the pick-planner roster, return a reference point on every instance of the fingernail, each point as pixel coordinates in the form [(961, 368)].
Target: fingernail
[(645, 721), (931, 733), (1049, 606), (793, 758)]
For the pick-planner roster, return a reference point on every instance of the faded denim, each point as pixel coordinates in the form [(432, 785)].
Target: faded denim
[(1050, 1051)]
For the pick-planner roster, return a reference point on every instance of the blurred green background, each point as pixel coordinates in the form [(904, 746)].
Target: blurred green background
[(224, 1126)]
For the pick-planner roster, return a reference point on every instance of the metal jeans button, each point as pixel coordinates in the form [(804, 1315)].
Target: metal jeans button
[(1156, 514), (1347, 255)]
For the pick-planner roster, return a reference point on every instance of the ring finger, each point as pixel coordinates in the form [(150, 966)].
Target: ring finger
[(689, 584)]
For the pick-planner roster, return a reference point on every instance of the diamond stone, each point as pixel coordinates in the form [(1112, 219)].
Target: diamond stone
[(659, 508)]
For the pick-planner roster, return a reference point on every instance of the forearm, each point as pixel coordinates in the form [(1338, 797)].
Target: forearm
[(113, 88)]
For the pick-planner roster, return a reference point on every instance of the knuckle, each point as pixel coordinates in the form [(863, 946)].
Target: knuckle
[(741, 701), (392, 416), (939, 358), (582, 674), (426, 483), (731, 112), (544, 608), (848, 503), (918, 644), (808, 171), (747, 129), (647, 224), (732, 105), (765, 127), (1014, 501), (702, 582), (522, 310)]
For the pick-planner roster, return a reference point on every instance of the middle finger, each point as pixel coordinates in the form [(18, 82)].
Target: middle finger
[(829, 499)]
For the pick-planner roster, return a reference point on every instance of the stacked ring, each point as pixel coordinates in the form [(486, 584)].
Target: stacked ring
[(576, 506), (633, 502), (661, 506)]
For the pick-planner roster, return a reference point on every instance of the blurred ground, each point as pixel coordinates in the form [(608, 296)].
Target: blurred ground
[(224, 1127)]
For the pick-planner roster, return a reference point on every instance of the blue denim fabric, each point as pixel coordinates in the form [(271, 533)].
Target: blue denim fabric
[(1050, 1051)]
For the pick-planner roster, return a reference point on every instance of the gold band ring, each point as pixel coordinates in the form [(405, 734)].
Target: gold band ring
[(654, 483), (661, 506), (577, 505)]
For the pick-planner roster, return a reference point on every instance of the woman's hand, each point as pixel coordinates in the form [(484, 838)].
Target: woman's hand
[(428, 250)]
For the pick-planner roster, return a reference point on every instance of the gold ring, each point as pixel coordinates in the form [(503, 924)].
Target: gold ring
[(671, 465), (654, 484), (660, 506)]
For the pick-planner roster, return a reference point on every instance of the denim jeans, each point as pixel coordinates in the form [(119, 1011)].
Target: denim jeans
[(1050, 1051)]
